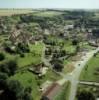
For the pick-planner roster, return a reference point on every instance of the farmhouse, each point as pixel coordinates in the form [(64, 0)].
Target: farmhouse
[(51, 92)]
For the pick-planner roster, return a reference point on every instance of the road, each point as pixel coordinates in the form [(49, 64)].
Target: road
[(89, 83), (74, 76)]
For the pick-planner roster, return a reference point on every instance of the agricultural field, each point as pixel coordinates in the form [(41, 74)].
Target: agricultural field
[(9, 12), (48, 13)]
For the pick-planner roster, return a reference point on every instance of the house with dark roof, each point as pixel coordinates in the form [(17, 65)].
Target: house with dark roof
[(37, 69), (51, 92)]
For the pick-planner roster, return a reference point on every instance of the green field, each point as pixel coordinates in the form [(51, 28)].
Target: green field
[(48, 13), (9, 12), (88, 73)]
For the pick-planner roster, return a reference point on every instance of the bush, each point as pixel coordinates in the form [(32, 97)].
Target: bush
[(9, 67), (22, 55), (2, 56), (85, 95)]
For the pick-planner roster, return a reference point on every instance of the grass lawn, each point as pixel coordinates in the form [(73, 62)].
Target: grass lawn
[(69, 47), (28, 59), (51, 75), (88, 73), (64, 94), (37, 48)]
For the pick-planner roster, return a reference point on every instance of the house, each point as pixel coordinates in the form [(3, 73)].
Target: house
[(93, 43), (71, 26), (51, 92), (39, 69), (46, 32)]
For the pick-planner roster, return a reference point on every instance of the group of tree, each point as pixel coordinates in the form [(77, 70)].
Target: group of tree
[(9, 67), (19, 48), (22, 48), (85, 95), (12, 89), (75, 42), (57, 65), (58, 54), (2, 56), (55, 53)]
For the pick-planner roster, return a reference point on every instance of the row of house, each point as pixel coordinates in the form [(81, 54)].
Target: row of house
[(20, 36)]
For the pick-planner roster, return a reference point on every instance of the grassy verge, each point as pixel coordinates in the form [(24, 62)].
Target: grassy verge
[(90, 70), (64, 94)]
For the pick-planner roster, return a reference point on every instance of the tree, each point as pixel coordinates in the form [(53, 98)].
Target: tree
[(9, 67), (75, 42), (12, 66), (4, 69), (58, 66), (85, 95), (2, 56), (27, 94), (3, 78), (77, 48), (22, 48), (15, 90)]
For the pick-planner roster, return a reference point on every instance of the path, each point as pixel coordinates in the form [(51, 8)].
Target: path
[(89, 83)]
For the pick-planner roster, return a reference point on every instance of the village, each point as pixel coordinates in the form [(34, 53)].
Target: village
[(46, 54)]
